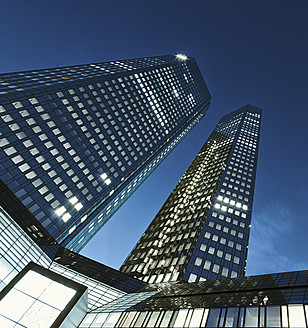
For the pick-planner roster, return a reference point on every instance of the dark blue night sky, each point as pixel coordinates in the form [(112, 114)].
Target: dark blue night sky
[(249, 51)]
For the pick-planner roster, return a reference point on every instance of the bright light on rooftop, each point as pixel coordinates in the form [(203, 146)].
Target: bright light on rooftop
[(181, 57)]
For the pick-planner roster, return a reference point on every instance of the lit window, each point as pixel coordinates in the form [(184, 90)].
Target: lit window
[(66, 217), (207, 265), (74, 200), (198, 261), (78, 206), (216, 268), (203, 247), (60, 210)]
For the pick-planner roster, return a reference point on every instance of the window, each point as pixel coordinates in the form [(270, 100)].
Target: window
[(198, 261), (211, 250), (296, 316), (273, 316), (251, 319), (216, 268), (207, 265), (203, 247)]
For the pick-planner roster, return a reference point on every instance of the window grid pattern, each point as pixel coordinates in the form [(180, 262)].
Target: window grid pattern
[(285, 316), (16, 250), (73, 147), (21, 81), (272, 300), (195, 236), (221, 250), (98, 293), (81, 238)]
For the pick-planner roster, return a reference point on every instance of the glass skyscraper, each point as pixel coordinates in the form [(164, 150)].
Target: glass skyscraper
[(202, 230), (77, 141), (44, 284)]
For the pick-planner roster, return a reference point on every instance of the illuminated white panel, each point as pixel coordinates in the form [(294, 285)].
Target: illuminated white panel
[(181, 57), (60, 210), (35, 300)]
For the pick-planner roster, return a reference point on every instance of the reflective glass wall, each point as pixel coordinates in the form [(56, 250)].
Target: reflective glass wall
[(284, 316)]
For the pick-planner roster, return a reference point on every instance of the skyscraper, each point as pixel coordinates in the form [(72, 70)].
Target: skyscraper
[(77, 141), (202, 230), (70, 290)]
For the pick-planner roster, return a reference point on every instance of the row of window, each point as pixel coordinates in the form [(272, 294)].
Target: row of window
[(285, 316)]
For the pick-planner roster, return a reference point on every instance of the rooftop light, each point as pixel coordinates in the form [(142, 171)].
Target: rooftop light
[(181, 57)]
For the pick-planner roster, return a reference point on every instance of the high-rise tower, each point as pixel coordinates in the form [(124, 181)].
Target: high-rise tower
[(77, 141), (202, 230)]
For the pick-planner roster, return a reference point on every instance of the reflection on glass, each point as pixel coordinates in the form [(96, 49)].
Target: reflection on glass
[(262, 313), (140, 319), (251, 317), (273, 316), (212, 320), (130, 318), (231, 319), (296, 316), (284, 316), (196, 318), (101, 317), (39, 315), (166, 319), (57, 295), (180, 319), (222, 317), (241, 317), (112, 319), (205, 316), (89, 318), (153, 318), (190, 312)]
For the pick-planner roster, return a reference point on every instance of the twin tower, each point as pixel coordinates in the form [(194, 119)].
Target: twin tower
[(76, 142)]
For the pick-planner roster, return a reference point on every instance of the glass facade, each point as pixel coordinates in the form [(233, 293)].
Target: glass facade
[(77, 141), (273, 300), (202, 230), (17, 249), (37, 297)]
